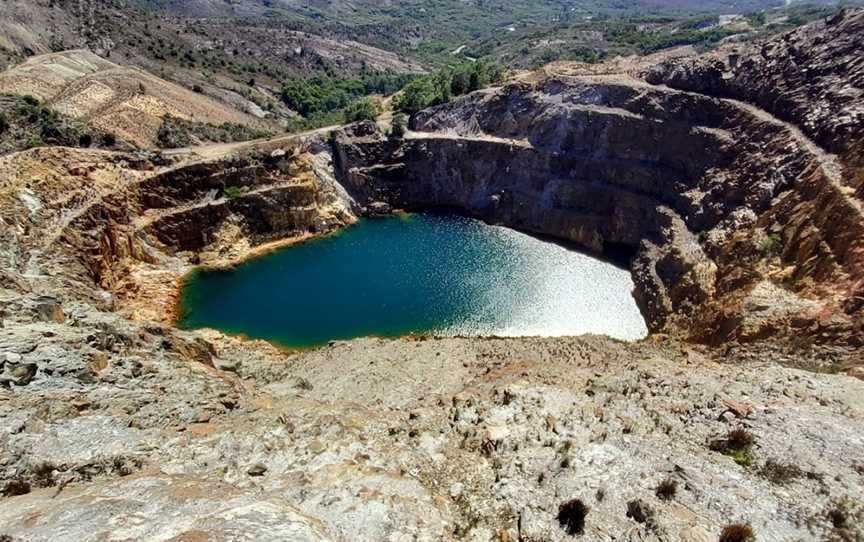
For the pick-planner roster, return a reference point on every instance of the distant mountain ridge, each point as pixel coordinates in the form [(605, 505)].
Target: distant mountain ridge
[(431, 30), (369, 9)]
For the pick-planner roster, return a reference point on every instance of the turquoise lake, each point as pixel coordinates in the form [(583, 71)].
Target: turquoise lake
[(419, 273)]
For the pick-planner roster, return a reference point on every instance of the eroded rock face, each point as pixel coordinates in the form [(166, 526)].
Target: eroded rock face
[(121, 230), (812, 77), (704, 192)]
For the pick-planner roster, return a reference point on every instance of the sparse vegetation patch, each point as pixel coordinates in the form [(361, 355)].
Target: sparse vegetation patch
[(176, 132), (25, 123), (737, 444), (780, 473), (771, 245), (234, 192)]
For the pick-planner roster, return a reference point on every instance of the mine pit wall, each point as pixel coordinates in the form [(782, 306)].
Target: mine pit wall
[(812, 77), (181, 211), (521, 187), (679, 179), (535, 191)]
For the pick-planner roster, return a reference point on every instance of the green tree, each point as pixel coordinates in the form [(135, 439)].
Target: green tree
[(417, 95), (400, 126), (362, 109), (455, 80)]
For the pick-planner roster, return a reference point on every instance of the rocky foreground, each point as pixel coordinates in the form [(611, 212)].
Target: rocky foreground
[(740, 414), (439, 439)]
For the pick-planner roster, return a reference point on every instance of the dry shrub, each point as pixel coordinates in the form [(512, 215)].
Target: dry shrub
[(571, 516), (738, 532), (666, 489), (780, 473)]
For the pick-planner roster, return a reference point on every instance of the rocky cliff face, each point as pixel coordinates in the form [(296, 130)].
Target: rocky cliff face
[(742, 229), (126, 231), (812, 77), (714, 198)]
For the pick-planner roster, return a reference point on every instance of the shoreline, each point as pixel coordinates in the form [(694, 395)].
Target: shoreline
[(174, 316), (175, 295)]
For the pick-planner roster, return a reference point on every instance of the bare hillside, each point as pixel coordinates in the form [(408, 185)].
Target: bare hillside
[(242, 64), (126, 101)]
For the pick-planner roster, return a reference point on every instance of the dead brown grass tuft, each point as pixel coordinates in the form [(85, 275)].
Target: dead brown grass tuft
[(737, 532)]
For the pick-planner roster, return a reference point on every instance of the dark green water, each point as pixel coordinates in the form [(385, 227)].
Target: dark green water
[(415, 274)]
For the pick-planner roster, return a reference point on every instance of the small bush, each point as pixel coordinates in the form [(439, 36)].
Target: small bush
[(15, 488), (846, 519), (838, 516), (233, 192), (34, 141), (43, 474), (666, 489), (109, 140), (738, 532), (362, 109), (771, 245), (173, 133), (197, 89), (571, 516), (85, 140), (400, 126), (4, 123), (740, 439), (737, 444), (745, 458), (51, 131)]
